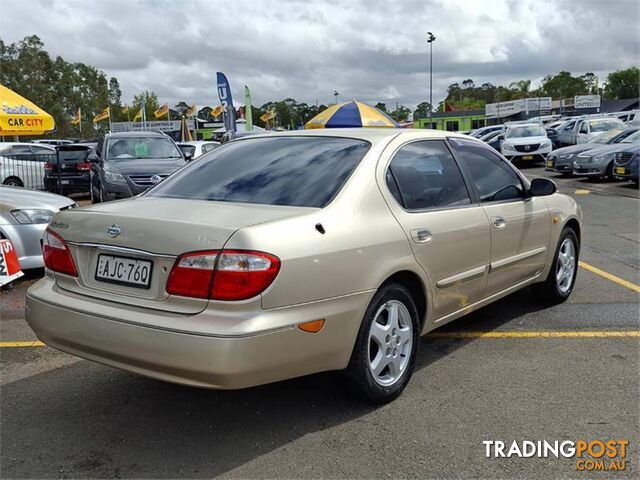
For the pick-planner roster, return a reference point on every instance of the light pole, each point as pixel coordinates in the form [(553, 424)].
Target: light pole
[(430, 39), (335, 94)]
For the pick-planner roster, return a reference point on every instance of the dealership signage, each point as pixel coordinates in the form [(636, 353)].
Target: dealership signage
[(587, 101), (162, 126), (513, 107)]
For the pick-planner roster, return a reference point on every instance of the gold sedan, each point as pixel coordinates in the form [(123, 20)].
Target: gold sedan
[(287, 254)]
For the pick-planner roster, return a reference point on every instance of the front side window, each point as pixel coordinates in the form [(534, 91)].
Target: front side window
[(295, 171), (207, 147), (424, 175), (493, 179), (140, 148)]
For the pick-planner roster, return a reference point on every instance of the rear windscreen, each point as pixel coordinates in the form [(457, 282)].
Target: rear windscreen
[(294, 171)]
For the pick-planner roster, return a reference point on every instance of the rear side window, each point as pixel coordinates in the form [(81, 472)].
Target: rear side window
[(424, 175), (493, 179), (207, 147), (294, 171)]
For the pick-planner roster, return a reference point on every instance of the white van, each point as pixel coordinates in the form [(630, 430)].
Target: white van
[(591, 127)]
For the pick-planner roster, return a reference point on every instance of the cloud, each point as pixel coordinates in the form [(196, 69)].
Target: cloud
[(370, 50)]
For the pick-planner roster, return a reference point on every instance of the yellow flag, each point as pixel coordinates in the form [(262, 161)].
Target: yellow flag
[(191, 111), (268, 116), (76, 119), (216, 111), (162, 111), (103, 115), (138, 116)]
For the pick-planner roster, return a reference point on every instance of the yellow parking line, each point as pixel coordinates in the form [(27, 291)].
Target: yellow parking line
[(536, 334), (34, 343), (609, 276), (581, 191)]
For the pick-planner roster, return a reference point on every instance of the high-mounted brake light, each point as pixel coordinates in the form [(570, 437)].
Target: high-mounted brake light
[(223, 274), (57, 256)]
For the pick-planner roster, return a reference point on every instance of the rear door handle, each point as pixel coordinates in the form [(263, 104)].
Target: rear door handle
[(498, 222), (421, 235)]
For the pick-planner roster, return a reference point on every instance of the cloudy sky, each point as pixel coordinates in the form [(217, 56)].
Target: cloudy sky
[(371, 50)]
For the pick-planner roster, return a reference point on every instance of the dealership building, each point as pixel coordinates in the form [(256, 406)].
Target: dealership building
[(522, 109)]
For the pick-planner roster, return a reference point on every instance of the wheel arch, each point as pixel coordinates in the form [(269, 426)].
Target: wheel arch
[(575, 225), (412, 282)]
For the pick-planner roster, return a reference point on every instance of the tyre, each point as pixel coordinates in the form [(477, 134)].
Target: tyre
[(562, 276), (608, 174), (13, 182), (386, 348)]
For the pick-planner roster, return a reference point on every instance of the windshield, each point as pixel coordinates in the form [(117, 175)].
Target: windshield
[(294, 171), (526, 131), (141, 147), (604, 125), (633, 138), (606, 137)]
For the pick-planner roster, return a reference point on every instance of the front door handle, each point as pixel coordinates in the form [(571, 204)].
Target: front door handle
[(421, 235), (498, 222)]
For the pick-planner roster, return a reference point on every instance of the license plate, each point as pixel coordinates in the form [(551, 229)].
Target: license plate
[(132, 272), (620, 170), (65, 182), (527, 157), (549, 163)]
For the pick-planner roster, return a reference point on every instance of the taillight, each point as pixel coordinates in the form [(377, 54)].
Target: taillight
[(57, 256), (192, 274), (84, 166), (48, 166), (223, 275)]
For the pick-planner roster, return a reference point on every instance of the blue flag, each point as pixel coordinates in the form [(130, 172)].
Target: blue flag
[(224, 92)]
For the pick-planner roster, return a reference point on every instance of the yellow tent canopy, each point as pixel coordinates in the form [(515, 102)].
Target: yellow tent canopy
[(18, 116)]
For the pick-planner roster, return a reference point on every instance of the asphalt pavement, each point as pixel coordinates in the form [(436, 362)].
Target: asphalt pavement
[(514, 370)]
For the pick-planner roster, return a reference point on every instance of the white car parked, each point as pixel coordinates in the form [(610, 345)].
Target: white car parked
[(22, 164), (525, 141)]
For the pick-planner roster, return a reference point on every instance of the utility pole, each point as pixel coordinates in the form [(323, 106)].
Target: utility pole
[(430, 39), (335, 94)]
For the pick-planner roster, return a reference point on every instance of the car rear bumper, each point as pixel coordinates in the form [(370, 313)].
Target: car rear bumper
[(68, 183), (195, 358), (27, 241)]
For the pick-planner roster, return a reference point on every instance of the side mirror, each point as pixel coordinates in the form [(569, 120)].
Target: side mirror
[(541, 187), (188, 154), (93, 157)]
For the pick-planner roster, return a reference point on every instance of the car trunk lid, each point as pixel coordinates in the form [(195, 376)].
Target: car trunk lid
[(156, 230)]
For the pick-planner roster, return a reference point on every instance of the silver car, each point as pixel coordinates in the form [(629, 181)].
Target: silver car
[(598, 162), (24, 216)]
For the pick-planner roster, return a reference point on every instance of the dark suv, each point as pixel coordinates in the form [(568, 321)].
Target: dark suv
[(128, 163)]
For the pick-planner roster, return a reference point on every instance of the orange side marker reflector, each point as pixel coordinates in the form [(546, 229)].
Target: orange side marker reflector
[(556, 219), (314, 326)]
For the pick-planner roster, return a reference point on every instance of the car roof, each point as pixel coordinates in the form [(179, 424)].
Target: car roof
[(372, 135), (136, 134)]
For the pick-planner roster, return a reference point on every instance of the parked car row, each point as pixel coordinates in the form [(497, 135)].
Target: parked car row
[(597, 158)]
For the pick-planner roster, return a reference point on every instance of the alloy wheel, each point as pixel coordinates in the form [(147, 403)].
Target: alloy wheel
[(390, 343), (566, 265)]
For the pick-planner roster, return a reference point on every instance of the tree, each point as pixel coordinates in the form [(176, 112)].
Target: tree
[(563, 85), (400, 114), (521, 88), (150, 100), (623, 84), (381, 106), (422, 110), (57, 86), (468, 83), (591, 81)]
